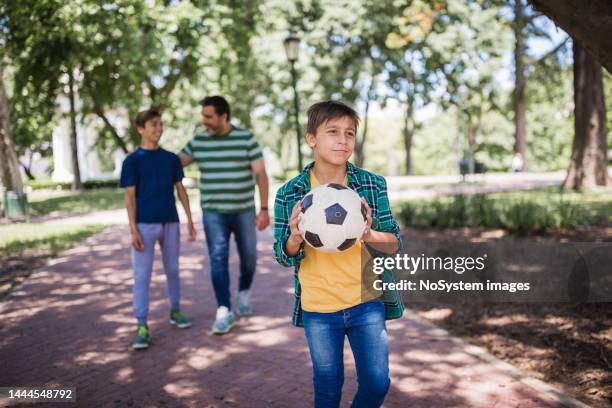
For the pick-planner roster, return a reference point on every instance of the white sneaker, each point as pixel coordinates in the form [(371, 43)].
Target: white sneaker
[(224, 321), (244, 303)]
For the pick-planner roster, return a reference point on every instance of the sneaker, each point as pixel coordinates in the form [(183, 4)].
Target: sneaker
[(244, 303), (178, 319), (224, 321), (141, 338)]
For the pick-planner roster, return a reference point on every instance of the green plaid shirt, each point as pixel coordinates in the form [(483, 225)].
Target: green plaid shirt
[(373, 189)]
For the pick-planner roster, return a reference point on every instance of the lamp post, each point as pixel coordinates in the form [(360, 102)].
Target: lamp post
[(292, 45)]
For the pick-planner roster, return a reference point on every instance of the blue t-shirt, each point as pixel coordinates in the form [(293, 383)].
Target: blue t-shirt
[(153, 173)]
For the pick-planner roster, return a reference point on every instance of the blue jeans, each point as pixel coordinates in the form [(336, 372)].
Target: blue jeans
[(364, 325), (218, 227), (168, 236)]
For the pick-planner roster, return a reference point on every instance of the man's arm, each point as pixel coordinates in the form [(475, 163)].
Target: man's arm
[(130, 204), (185, 159), (259, 169), (184, 198)]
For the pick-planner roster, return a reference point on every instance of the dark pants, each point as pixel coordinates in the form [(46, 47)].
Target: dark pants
[(218, 227)]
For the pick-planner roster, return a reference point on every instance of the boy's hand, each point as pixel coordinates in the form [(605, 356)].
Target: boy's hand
[(295, 238), (137, 242), (367, 232), (262, 220), (192, 230)]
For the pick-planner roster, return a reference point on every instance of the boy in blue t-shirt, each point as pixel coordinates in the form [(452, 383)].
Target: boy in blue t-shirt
[(149, 175)]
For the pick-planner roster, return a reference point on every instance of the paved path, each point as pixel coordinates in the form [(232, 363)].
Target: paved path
[(415, 187), (71, 324)]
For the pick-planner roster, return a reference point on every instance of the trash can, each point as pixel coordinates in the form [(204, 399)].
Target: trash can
[(15, 205), (464, 167)]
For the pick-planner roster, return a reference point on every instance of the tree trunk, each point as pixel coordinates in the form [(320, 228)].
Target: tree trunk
[(471, 141), (9, 165), (76, 182), (27, 167), (115, 135), (360, 144), (408, 134), (588, 166), (588, 22), (520, 126), (28, 172), (97, 109)]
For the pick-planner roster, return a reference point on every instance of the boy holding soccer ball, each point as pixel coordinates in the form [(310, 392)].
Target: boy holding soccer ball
[(329, 303)]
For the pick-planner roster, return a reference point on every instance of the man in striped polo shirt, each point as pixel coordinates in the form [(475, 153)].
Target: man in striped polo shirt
[(230, 163)]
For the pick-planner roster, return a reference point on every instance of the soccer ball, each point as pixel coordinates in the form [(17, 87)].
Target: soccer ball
[(333, 218)]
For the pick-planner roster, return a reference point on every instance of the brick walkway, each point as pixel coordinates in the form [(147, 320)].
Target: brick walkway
[(70, 324)]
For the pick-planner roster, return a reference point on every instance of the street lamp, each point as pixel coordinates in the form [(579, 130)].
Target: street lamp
[(292, 47)]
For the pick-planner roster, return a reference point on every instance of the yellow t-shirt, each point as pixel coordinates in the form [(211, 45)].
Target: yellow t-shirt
[(330, 281)]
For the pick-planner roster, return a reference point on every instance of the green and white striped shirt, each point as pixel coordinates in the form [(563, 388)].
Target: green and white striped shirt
[(226, 179)]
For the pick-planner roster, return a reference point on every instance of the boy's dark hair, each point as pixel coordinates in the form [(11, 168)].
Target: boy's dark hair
[(144, 116), (219, 103), (323, 111)]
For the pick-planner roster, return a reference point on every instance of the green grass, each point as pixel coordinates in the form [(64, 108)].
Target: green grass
[(53, 203), (67, 203), (46, 237), (520, 212), (55, 185)]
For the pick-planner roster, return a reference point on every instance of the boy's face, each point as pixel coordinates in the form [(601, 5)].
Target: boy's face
[(214, 123), (152, 130), (334, 140)]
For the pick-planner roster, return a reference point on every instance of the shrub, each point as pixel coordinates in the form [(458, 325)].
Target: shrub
[(525, 216), (519, 212)]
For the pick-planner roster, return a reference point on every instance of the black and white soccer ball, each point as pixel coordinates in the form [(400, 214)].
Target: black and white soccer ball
[(333, 218)]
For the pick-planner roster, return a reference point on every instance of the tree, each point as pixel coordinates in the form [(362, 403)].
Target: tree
[(9, 166), (588, 22), (550, 109), (76, 181), (526, 25), (410, 86), (589, 162), (152, 49), (238, 72), (115, 58), (43, 49), (409, 67), (361, 141), (311, 21), (31, 49), (518, 96), (350, 54), (465, 54)]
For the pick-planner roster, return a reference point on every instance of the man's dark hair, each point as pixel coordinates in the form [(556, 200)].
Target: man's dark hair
[(219, 103), (144, 116), (321, 112)]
